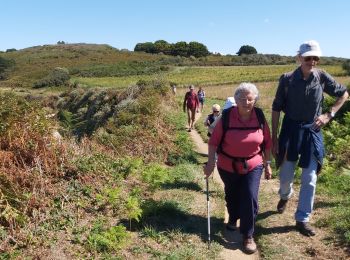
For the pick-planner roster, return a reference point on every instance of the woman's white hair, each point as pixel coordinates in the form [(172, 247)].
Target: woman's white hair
[(244, 88)]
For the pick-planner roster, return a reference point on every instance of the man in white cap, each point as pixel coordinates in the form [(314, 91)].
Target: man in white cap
[(300, 95)]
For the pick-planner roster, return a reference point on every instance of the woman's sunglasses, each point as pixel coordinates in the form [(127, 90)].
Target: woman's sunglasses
[(314, 58)]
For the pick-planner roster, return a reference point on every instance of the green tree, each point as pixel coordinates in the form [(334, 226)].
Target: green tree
[(163, 46), (146, 47), (11, 50), (246, 49), (197, 49), (181, 49)]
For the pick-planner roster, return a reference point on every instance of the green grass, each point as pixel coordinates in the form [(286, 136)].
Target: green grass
[(336, 186)]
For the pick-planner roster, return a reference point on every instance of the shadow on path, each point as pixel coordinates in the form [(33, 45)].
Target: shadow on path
[(167, 217), (187, 185), (266, 214)]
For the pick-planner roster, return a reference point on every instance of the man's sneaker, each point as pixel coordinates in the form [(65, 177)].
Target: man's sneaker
[(249, 246), (305, 229), (282, 205), (231, 225)]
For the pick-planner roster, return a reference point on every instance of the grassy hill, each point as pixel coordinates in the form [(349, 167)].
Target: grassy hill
[(32, 64), (91, 63)]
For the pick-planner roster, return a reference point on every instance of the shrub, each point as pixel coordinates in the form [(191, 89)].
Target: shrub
[(120, 69), (5, 64), (29, 156), (155, 175), (337, 138), (346, 66), (107, 240), (58, 77)]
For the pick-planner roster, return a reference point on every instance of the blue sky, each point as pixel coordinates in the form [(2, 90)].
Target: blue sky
[(271, 26)]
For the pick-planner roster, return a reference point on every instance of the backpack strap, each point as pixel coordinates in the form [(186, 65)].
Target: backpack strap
[(261, 119), (290, 76), (225, 118)]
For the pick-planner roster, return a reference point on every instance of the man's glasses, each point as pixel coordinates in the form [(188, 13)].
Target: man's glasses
[(215, 111), (314, 58)]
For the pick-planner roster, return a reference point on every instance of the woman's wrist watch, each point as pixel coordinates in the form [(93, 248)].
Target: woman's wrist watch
[(267, 163)]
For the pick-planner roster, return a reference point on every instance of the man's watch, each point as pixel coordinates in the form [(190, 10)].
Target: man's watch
[(332, 114)]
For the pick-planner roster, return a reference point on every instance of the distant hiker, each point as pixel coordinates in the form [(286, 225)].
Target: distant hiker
[(191, 103), (300, 96), (242, 141), (173, 88), (201, 98), (211, 118)]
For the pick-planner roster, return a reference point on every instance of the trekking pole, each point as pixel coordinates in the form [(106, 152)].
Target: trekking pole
[(208, 212)]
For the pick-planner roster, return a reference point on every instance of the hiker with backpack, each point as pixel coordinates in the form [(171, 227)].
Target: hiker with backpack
[(300, 96), (191, 103), (243, 143), (209, 121)]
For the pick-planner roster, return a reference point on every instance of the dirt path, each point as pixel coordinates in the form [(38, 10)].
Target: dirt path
[(275, 233), (233, 240)]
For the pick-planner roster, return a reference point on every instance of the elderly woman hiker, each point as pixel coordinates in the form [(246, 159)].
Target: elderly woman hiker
[(243, 143)]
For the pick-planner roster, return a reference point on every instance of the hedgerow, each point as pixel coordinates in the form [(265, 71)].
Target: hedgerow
[(130, 121), (30, 158)]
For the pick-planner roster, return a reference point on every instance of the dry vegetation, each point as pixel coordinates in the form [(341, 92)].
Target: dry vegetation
[(86, 189)]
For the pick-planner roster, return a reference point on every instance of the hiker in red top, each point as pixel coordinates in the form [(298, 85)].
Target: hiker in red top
[(243, 143), (191, 102)]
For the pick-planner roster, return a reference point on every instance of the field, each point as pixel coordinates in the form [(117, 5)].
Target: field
[(205, 76)]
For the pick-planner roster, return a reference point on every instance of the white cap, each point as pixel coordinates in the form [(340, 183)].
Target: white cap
[(310, 48), (230, 101)]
